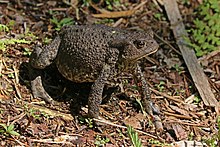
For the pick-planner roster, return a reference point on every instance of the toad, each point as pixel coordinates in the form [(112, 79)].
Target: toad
[(94, 53)]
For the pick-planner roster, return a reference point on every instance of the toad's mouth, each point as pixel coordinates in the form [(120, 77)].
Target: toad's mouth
[(137, 57)]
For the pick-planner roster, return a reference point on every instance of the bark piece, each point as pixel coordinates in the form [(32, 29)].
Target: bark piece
[(198, 76)]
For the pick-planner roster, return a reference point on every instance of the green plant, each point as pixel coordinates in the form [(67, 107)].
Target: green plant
[(214, 140), (5, 42), (85, 3), (11, 41), (11, 24), (31, 112), (47, 40), (3, 28), (191, 135), (30, 35), (111, 3), (8, 130), (27, 52), (105, 21), (87, 121), (142, 108), (101, 141), (160, 16), (206, 34), (161, 86), (61, 23), (11, 75), (158, 143), (197, 99), (134, 137), (178, 68)]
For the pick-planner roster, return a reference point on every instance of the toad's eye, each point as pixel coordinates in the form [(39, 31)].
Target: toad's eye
[(139, 43)]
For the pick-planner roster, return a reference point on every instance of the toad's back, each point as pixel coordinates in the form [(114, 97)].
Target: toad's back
[(84, 50)]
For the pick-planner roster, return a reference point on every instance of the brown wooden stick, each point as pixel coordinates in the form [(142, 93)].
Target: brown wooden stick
[(198, 76)]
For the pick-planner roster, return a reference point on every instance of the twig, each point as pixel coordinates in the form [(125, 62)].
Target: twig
[(119, 126), (167, 96), (178, 115)]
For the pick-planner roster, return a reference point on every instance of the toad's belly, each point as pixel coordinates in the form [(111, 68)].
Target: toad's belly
[(76, 74)]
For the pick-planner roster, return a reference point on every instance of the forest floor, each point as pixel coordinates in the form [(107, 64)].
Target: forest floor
[(25, 121)]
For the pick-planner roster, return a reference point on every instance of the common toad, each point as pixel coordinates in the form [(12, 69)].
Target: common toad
[(93, 53)]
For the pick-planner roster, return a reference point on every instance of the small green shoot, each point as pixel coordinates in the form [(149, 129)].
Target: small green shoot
[(101, 141), (11, 41), (61, 23), (197, 99), (11, 24), (86, 3), (8, 130), (27, 52), (11, 75), (47, 40), (160, 16), (30, 35), (36, 114), (191, 135), (158, 143), (142, 108), (105, 21), (178, 68), (3, 28), (87, 121), (134, 137), (111, 3), (161, 86)]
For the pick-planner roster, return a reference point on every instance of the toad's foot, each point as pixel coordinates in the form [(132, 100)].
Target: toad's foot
[(150, 107), (35, 76), (39, 91)]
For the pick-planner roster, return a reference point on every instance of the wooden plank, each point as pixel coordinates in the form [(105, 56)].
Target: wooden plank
[(196, 71)]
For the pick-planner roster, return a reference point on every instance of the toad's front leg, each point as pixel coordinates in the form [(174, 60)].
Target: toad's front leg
[(145, 92), (40, 58), (37, 88), (95, 96)]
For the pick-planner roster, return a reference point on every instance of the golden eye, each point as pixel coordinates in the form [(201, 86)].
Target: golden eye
[(139, 43)]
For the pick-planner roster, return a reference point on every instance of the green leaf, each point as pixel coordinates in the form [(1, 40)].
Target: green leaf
[(218, 43), (204, 10), (215, 5), (134, 137), (10, 127), (65, 21), (4, 126), (4, 28), (54, 20), (211, 22), (199, 24), (14, 133), (199, 53)]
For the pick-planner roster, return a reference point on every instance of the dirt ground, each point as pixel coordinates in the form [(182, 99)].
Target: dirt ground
[(183, 114)]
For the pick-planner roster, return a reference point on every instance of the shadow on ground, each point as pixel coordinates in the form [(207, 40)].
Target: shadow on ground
[(63, 90)]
